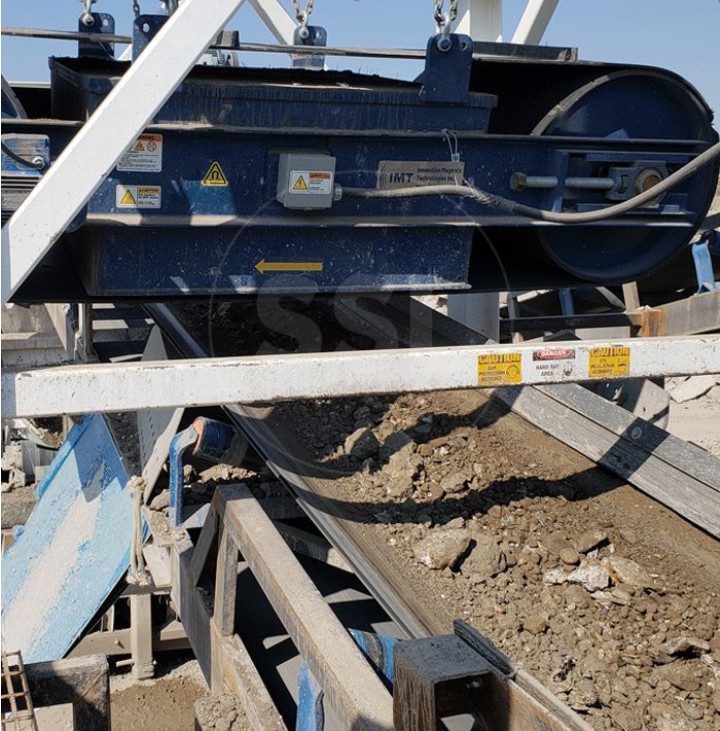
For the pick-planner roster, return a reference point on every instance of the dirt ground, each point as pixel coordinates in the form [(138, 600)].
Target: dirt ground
[(164, 703)]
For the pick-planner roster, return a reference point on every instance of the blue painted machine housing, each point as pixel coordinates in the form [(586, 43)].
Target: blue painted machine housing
[(588, 120)]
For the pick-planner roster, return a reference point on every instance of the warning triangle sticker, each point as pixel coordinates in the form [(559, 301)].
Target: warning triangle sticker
[(215, 176), (127, 199), (139, 147), (300, 184)]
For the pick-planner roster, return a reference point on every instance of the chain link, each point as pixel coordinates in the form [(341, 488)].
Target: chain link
[(86, 16), (440, 18), (302, 17), (136, 8)]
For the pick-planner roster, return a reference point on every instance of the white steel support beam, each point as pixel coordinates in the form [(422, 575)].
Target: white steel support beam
[(97, 147), (482, 20), (534, 22), (276, 18), (121, 387)]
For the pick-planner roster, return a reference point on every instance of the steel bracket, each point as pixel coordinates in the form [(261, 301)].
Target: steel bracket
[(103, 23), (316, 36), (447, 69), (435, 677), (145, 28)]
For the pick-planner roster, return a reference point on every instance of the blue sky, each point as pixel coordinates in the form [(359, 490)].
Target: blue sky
[(678, 35)]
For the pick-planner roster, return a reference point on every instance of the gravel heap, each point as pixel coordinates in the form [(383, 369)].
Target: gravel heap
[(574, 577)]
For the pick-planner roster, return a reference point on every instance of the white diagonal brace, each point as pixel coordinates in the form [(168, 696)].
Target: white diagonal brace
[(95, 150), (276, 18), (130, 386), (480, 19), (534, 22)]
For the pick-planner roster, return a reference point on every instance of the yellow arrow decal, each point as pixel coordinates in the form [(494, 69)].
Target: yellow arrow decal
[(288, 266)]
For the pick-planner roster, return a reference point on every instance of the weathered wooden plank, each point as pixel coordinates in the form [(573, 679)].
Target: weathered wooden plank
[(82, 681), (691, 459), (205, 542), (225, 584), (224, 661), (670, 485), (350, 685), (236, 673)]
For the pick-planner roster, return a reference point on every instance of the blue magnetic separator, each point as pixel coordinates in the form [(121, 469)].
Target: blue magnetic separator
[(75, 547)]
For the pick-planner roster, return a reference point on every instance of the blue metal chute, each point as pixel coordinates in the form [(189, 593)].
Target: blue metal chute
[(75, 548)]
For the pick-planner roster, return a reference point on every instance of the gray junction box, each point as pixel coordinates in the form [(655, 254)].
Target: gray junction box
[(306, 180)]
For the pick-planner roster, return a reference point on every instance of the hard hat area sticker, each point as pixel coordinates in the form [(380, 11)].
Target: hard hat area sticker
[(499, 369), (138, 196), (553, 364), (143, 156), (610, 362), (310, 182)]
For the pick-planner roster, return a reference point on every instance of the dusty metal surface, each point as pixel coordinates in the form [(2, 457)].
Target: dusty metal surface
[(84, 682)]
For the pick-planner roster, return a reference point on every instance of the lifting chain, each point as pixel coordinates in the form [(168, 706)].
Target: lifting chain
[(136, 8), (444, 20), (86, 16), (302, 17)]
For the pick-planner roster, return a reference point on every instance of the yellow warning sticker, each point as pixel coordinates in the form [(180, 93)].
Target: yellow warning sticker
[(311, 182), (300, 185), (609, 362), (138, 196), (143, 156), (128, 199), (500, 369), (215, 177)]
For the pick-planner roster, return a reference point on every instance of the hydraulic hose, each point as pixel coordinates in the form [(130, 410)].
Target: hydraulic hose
[(538, 214)]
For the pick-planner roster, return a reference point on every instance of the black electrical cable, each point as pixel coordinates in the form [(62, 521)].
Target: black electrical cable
[(39, 165), (510, 206)]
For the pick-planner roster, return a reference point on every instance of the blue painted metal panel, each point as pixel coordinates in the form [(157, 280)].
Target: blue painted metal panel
[(74, 549), (169, 262), (311, 712), (379, 650)]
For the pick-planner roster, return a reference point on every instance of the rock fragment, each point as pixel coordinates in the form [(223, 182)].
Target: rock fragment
[(683, 677), (361, 444), (554, 577), (683, 645), (442, 548), (590, 575), (396, 442), (454, 483), (400, 473), (535, 624), (569, 556), (626, 571), (486, 558), (591, 539)]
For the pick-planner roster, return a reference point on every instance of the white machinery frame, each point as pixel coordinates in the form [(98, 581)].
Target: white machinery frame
[(250, 379)]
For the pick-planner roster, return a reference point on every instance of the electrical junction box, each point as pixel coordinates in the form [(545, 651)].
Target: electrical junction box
[(306, 180)]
